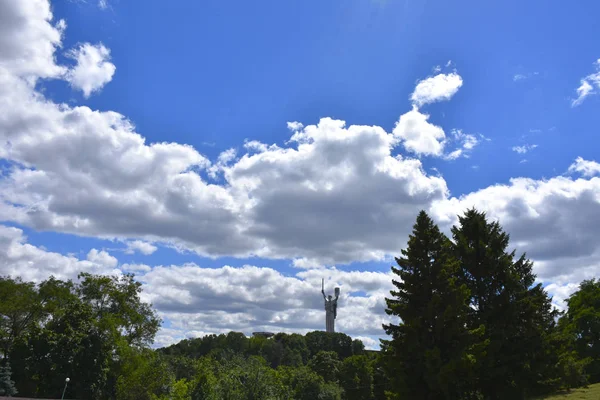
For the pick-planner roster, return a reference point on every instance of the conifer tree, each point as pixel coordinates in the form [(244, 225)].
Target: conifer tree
[(7, 386), (431, 353), (518, 316)]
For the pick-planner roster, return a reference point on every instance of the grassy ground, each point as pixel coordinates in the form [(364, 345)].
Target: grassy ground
[(591, 393)]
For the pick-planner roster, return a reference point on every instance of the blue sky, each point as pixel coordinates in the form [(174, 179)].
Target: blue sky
[(214, 75)]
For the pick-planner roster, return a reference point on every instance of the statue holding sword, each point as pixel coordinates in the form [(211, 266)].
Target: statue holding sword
[(330, 308)]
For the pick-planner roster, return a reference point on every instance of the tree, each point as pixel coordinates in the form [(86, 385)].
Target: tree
[(356, 378), (60, 329), (144, 375), (358, 347), (20, 311), (431, 353), (381, 382), (246, 379), (118, 308), (7, 386), (518, 316), (582, 323), (325, 341), (68, 345), (326, 364)]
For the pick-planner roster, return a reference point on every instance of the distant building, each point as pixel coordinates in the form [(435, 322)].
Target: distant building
[(263, 334)]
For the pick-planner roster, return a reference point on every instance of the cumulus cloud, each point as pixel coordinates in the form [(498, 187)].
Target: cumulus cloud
[(101, 257), (19, 258), (251, 298), (553, 220), (587, 85), (418, 135), (436, 88), (141, 247), (198, 301), (93, 69), (585, 167), (29, 39), (524, 149)]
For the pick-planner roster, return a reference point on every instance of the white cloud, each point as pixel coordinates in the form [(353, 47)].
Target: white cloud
[(29, 39), (560, 293), (524, 149), (93, 69), (521, 77), (436, 88), (587, 85), (553, 220), (252, 298), (418, 135), (19, 258), (103, 4), (198, 301), (101, 257), (294, 126), (135, 268), (585, 167), (255, 145), (140, 246), (466, 143)]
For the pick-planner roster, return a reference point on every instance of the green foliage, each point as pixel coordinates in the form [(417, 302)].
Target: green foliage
[(144, 375), (323, 341), (61, 329), (326, 364), (246, 379), (20, 309), (356, 378), (517, 314), (431, 349), (582, 323)]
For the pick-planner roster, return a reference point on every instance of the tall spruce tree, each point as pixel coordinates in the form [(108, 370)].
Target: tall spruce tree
[(518, 317), (431, 353), (7, 386)]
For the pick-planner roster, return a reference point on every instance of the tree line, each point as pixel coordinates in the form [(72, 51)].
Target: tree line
[(469, 322)]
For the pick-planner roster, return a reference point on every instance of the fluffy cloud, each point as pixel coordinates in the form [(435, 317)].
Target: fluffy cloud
[(19, 258), (140, 246), (198, 301), (554, 221), (587, 85), (418, 135), (102, 258), (93, 69), (29, 39), (585, 167), (436, 88)]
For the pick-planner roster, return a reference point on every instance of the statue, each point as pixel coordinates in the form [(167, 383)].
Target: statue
[(330, 308)]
